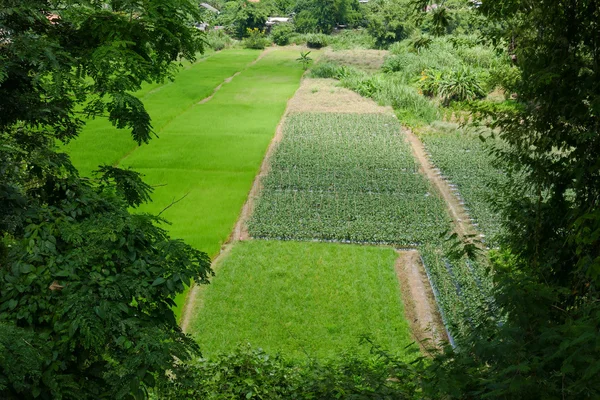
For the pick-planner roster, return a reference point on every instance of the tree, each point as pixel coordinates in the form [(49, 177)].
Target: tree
[(322, 16), (387, 21), (547, 270), (87, 287), (240, 16)]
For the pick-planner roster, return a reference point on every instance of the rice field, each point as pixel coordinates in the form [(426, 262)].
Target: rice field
[(303, 300), (206, 155)]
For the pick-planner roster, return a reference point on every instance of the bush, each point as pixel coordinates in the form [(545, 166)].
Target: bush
[(281, 33), (253, 374), (256, 39), (218, 40), (316, 40), (325, 70), (352, 39), (411, 107), (459, 85)]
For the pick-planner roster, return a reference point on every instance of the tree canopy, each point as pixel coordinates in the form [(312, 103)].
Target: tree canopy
[(87, 286)]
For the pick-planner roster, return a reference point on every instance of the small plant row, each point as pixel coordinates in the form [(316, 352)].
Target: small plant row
[(346, 177), (463, 287), (464, 160)]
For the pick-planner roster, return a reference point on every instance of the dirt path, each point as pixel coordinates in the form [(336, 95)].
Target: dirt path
[(420, 307), (460, 218)]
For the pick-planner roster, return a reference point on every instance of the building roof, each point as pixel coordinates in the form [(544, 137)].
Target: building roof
[(209, 7)]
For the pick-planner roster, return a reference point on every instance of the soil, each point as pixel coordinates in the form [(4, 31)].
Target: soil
[(325, 96), (420, 307)]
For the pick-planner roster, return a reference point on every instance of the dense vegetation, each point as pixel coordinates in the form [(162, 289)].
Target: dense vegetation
[(347, 178), (87, 286)]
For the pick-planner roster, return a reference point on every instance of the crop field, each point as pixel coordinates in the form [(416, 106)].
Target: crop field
[(464, 160), (206, 157), (346, 177), (101, 143), (303, 299), (463, 288)]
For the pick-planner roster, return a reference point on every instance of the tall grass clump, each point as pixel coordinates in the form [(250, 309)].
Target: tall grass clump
[(218, 40), (411, 107), (352, 39), (316, 40)]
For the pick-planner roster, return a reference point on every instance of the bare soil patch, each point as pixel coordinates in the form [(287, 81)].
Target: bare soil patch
[(366, 60), (419, 303), (324, 95)]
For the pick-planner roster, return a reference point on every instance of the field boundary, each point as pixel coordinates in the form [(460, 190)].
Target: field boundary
[(230, 78), (420, 306), (460, 218), (204, 100)]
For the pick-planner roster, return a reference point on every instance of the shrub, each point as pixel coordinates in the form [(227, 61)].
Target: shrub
[(411, 107), (459, 85), (352, 39), (256, 39), (325, 70), (316, 40), (429, 83), (218, 40), (281, 33)]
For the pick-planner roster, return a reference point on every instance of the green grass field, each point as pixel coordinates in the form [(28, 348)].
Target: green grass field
[(301, 299), (101, 143), (209, 153)]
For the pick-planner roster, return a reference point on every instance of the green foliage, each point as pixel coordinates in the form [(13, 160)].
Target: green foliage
[(465, 161), (304, 300), (387, 22), (86, 285), (218, 40), (241, 16), (281, 34), (249, 373), (352, 39), (255, 39), (346, 178), (326, 70), (321, 16), (411, 107), (304, 59), (316, 40), (90, 283), (461, 84)]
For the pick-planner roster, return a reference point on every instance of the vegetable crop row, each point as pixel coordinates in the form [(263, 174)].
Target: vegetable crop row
[(346, 177), (464, 160)]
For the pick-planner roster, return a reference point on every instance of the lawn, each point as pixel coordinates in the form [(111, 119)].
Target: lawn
[(302, 299), (347, 177)]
